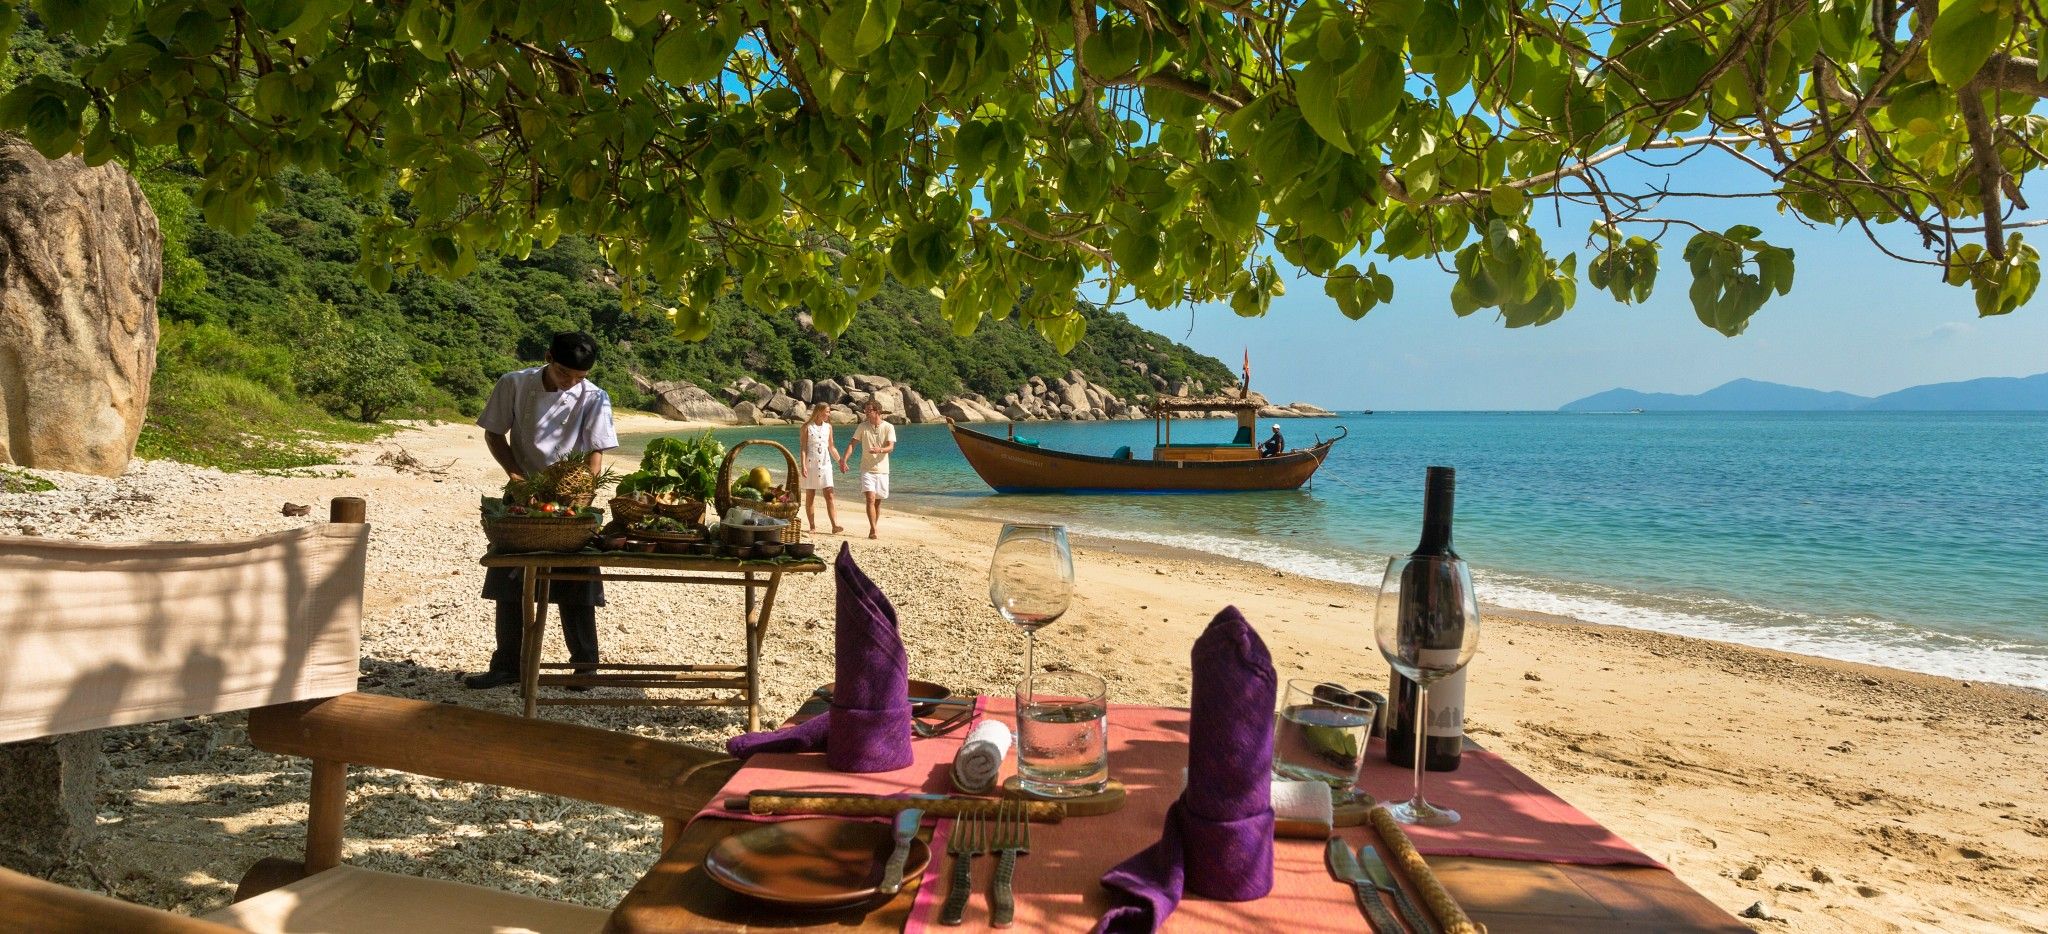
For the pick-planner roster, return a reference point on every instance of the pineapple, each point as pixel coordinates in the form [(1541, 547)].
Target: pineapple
[(567, 481)]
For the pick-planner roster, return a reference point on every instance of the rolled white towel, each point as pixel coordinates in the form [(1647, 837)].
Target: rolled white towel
[(980, 758), (1302, 809)]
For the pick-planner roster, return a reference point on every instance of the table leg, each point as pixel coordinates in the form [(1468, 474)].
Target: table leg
[(757, 633), (529, 640)]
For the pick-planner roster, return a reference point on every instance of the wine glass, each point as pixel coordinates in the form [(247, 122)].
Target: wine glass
[(1031, 579), (1427, 625)]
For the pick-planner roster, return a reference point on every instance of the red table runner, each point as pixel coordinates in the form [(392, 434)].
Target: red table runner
[(1507, 816)]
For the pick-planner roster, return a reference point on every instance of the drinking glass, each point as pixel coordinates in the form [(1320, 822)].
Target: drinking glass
[(1427, 625), (1062, 734), (1031, 580), (1320, 736)]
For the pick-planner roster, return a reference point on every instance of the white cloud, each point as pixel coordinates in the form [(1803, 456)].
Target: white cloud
[(1949, 331)]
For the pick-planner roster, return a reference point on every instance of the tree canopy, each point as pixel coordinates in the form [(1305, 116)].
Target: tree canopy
[(1007, 153)]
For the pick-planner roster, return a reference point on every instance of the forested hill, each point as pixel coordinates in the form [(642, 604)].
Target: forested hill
[(292, 284)]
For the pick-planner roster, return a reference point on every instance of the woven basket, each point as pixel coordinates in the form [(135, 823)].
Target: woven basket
[(630, 511), (539, 533), (792, 531)]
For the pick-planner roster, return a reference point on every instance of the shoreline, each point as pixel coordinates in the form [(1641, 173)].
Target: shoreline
[(1753, 774)]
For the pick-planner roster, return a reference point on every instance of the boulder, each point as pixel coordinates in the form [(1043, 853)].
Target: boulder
[(1305, 410), (828, 392), (801, 390), (746, 413), (81, 261), (843, 415), (1074, 398), (918, 409), (890, 399), (1015, 412), (683, 401), (783, 406), (869, 383)]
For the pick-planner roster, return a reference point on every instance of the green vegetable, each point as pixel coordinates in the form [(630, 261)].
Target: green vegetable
[(676, 468)]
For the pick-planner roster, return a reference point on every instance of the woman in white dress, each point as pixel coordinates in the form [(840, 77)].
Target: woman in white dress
[(816, 467)]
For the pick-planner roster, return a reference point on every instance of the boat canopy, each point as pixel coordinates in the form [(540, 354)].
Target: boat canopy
[(1206, 404)]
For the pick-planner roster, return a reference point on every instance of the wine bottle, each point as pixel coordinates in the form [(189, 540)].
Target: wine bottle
[(1444, 739)]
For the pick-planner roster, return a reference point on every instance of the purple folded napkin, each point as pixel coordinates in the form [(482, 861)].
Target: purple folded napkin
[(868, 727), (1218, 838)]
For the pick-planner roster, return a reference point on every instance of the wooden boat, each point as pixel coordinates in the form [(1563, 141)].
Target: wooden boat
[(1011, 466)]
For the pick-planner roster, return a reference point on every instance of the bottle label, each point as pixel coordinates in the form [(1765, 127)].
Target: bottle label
[(1447, 706)]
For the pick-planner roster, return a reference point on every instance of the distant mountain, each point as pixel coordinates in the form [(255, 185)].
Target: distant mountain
[(1991, 394), (1742, 395)]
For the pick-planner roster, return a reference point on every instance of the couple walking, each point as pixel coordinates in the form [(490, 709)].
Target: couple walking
[(875, 438)]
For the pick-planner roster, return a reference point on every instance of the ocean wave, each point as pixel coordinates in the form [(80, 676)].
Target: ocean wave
[(1863, 639)]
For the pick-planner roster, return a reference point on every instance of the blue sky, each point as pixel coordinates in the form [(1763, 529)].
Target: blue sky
[(1856, 321)]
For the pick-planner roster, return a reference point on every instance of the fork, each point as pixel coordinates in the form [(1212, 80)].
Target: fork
[(968, 840), (1012, 838)]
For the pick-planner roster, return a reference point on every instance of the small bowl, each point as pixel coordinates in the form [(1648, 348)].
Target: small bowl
[(767, 549), (703, 549), (728, 551), (640, 546), (800, 549), (615, 543), (673, 548)]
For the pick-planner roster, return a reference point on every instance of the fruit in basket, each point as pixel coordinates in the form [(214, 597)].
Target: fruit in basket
[(566, 480), (759, 479)]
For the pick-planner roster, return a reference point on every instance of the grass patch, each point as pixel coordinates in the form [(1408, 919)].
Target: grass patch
[(221, 420), (14, 480)]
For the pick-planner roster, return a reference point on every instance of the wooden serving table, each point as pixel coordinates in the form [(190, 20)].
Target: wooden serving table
[(1505, 895), (760, 578)]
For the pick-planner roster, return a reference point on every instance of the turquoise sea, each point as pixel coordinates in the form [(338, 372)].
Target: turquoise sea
[(1911, 540)]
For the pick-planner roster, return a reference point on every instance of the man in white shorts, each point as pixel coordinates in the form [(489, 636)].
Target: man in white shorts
[(875, 438)]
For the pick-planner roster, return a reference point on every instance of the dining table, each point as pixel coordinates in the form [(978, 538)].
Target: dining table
[(1523, 860), (759, 578)]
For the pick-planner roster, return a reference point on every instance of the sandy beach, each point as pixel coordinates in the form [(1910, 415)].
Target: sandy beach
[(1841, 797)]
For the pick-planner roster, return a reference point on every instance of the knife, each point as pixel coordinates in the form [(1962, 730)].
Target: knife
[(1344, 867), (906, 831), (1383, 877)]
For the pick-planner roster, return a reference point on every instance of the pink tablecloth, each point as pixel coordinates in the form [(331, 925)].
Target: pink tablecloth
[(1507, 816)]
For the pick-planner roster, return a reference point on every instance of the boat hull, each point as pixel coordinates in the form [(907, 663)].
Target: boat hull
[(1010, 467)]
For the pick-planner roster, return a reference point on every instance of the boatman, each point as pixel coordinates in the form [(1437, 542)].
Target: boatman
[(535, 417), (1274, 445)]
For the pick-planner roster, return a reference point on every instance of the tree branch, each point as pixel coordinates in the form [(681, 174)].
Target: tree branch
[(1984, 158), (2013, 73)]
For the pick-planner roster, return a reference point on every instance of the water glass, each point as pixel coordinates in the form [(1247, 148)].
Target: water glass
[(1320, 733), (1062, 734)]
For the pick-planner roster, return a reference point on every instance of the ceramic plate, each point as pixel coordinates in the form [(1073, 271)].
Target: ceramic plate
[(810, 863), (917, 689)]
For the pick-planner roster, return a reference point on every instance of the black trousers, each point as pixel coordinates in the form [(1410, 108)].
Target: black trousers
[(576, 603), (579, 631)]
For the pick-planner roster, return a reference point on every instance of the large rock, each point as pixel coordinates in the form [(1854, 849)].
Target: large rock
[(869, 383), (685, 402), (828, 392), (918, 409), (81, 261), (782, 406), (890, 398), (801, 390), (746, 413)]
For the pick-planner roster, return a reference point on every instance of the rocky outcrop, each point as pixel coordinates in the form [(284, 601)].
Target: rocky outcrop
[(81, 261), (1070, 397), (683, 401)]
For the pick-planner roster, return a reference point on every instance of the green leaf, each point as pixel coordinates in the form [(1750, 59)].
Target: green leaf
[(1317, 89), (841, 38), (1965, 34)]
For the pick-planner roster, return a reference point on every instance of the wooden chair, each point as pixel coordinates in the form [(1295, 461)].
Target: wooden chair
[(320, 893)]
